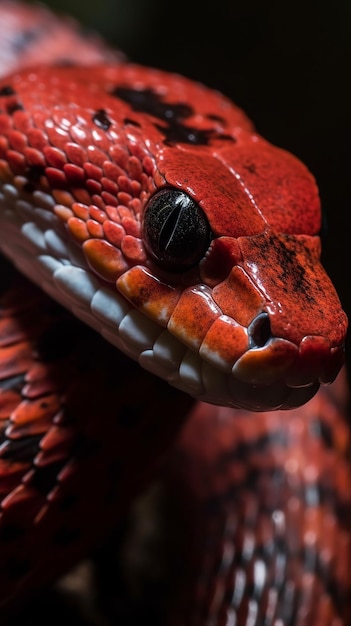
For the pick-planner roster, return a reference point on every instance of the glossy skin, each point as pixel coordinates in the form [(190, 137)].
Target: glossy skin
[(261, 331), (101, 141)]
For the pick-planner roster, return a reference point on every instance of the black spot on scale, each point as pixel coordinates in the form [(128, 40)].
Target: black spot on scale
[(215, 118), (171, 114), (12, 107), (101, 120), (34, 174), (128, 121), (7, 90), (322, 432)]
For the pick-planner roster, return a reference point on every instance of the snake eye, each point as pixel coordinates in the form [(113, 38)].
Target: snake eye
[(176, 230)]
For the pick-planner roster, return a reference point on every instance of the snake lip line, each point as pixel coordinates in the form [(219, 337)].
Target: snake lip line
[(37, 243)]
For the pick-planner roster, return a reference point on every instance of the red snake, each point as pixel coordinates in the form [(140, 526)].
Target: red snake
[(148, 206)]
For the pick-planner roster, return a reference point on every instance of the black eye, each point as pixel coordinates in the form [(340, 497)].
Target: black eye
[(176, 230)]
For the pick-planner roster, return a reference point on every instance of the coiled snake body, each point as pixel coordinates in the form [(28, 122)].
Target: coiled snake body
[(148, 206)]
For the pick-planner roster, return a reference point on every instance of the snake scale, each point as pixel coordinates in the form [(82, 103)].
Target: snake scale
[(149, 208)]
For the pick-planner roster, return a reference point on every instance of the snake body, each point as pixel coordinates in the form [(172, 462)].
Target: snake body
[(150, 208)]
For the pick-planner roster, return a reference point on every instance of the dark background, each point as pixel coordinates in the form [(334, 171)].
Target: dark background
[(286, 63)]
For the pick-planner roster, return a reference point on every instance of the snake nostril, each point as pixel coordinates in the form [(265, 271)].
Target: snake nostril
[(259, 331)]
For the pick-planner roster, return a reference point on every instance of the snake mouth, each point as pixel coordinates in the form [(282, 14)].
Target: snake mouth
[(277, 373), (270, 357)]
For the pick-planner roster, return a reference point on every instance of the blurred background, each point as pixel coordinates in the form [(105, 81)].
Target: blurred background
[(286, 63)]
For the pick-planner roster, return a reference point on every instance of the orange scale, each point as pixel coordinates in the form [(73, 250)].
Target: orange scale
[(34, 157), (5, 171), (108, 198), (81, 195), (96, 156), (63, 212), (4, 146), (92, 171), (98, 201), (22, 121), (16, 161), (55, 157), (124, 184), (135, 205), (75, 153), (144, 182), (33, 411), (6, 123), (37, 138), (22, 503), (113, 213), (63, 197), (119, 155), (109, 185), (112, 170), (133, 249), (75, 174), (93, 186), (131, 226), (95, 229), (96, 214), (124, 198), (148, 165), (156, 181), (17, 140), (238, 297), (224, 343), (114, 233), (80, 134), (56, 178), (148, 294), (135, 187), (57, 137), (139, 151), (193, 316), (78, 229), (106, 260), (123, 211), (134, 168)]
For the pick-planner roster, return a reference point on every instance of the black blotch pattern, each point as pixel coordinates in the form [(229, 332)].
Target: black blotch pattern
[(7, 90), (100, 119), (172, 115), (21, 450), (215, 118), (12, 107), (322, 431), (45, 478), (128, 121), (34, 174)]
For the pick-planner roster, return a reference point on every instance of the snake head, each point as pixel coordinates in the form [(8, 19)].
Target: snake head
[(234, 274), (198, 251)]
